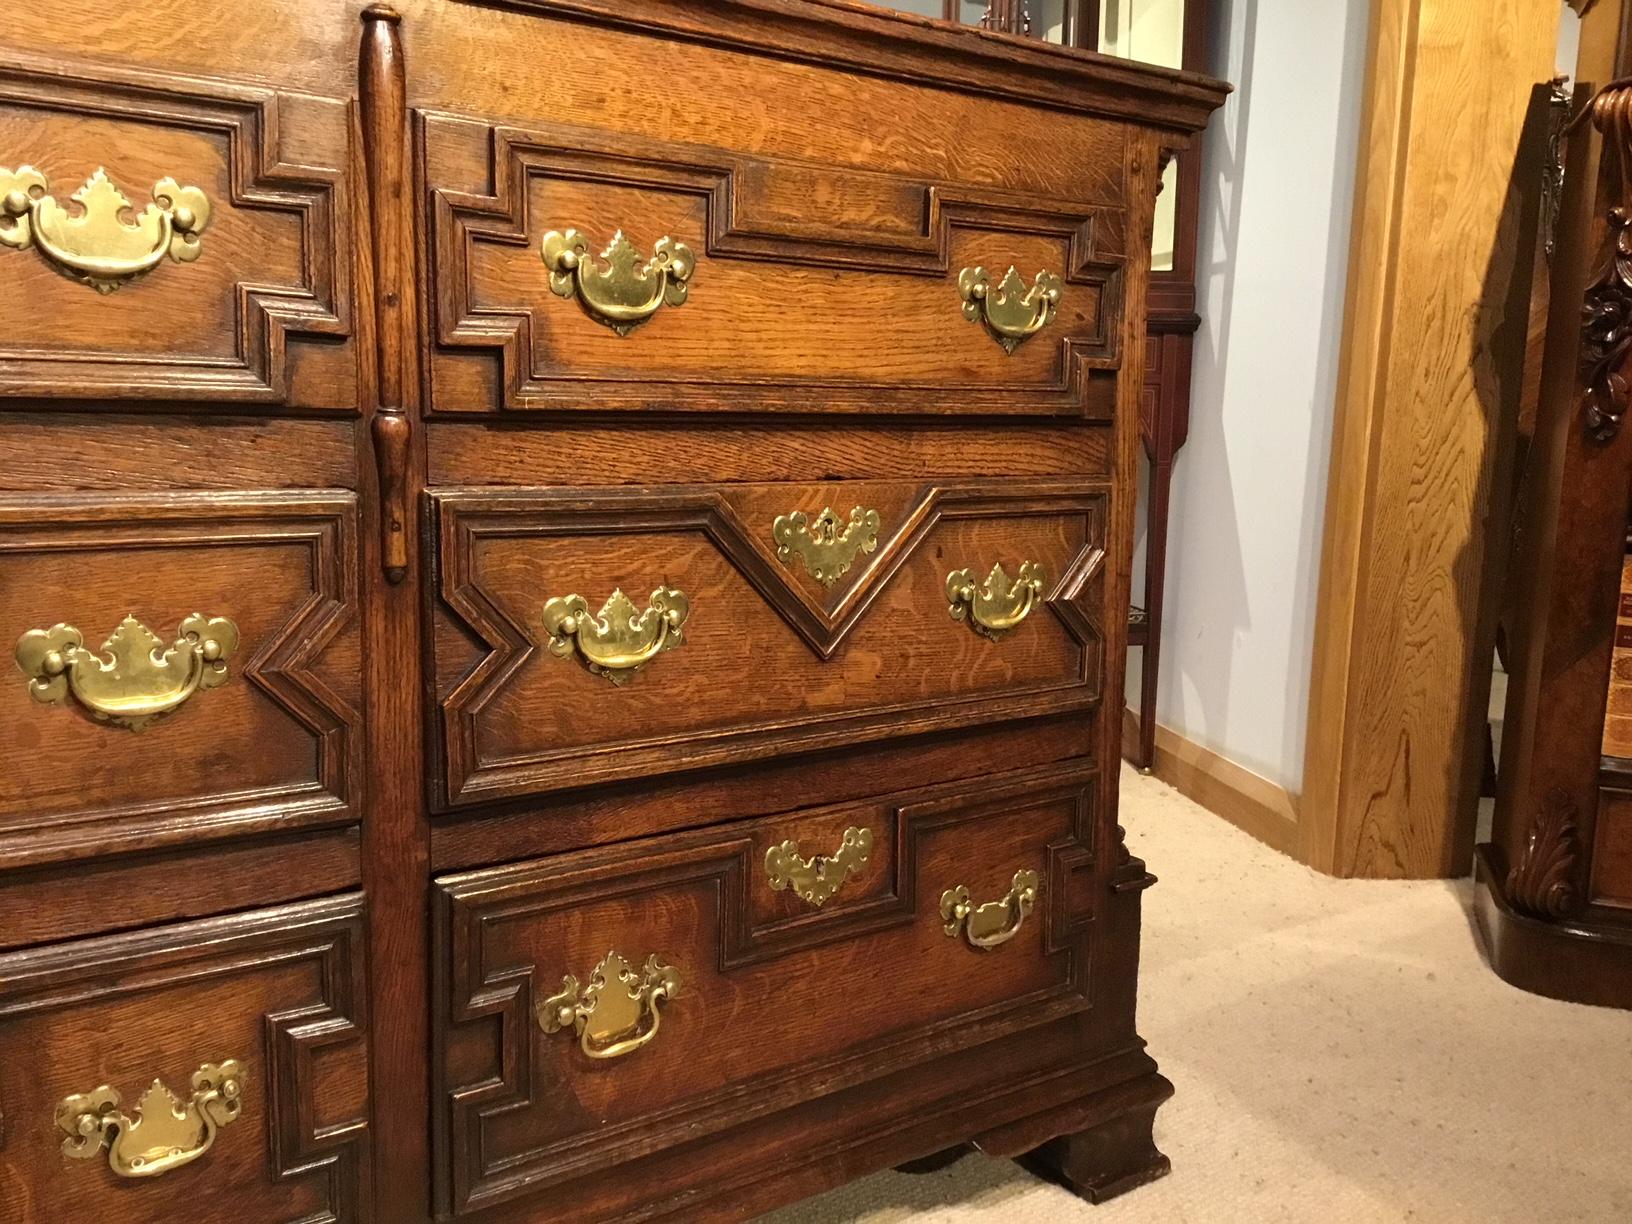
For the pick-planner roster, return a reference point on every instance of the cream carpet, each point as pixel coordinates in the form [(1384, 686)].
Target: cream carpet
[(1341, 1053)]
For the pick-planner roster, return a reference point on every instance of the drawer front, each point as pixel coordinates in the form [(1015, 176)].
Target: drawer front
[(575, 269), (253, 1024), (589, 635), (786, 958), (183, 667), (170, 239)]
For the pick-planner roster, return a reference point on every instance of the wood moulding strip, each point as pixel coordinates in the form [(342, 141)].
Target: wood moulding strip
[(1252, 803)]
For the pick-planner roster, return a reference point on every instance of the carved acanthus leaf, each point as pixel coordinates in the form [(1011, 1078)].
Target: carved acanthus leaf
[(1606, 307), (1541, 883)]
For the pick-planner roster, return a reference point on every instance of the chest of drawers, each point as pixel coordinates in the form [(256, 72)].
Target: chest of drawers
[(568, 563)]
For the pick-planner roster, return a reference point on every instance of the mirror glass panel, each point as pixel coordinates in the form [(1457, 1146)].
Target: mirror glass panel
[(924, 8), (1048, 20), (1151, 31)]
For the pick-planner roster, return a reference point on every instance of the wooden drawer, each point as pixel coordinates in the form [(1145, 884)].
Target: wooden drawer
[(165, 238), (747, 651), (752, 997), (577, 269), (272, 1001), (246, 721)]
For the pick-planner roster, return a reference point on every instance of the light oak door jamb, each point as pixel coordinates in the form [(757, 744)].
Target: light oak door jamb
[(1401, 667)]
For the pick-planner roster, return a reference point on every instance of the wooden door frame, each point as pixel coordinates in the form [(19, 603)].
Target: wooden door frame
[(1401, 667)]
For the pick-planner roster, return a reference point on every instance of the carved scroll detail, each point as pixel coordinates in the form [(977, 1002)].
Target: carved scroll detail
[(1559, 101), (1606, 307), (1541, 882)]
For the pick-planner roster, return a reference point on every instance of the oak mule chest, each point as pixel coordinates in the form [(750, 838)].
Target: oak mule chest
[(568, 564)]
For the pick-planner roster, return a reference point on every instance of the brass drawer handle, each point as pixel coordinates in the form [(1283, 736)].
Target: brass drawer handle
[(98, 246), (817, 879), (136, 677), (996, 922), (622, 293), (610, 1014), (996, 607), (826, 551), (1013, 311), (164, 1133), (621, 638)]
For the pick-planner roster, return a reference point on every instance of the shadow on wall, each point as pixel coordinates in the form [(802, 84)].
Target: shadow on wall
[(1224, 162), (1243, 398), (1346, 155)]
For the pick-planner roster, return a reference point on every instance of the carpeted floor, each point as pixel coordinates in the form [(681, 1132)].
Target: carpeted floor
[(1341, 1053)]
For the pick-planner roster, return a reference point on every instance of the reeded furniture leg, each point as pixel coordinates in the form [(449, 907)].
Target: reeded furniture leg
[(1117, 1155)]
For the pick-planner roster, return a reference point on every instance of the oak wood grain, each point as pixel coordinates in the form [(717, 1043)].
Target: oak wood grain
[(286, 426), (139, 890), (608, 813), (1401, 662), (879, 654), (395, 834), (277, 745), (262, 316), (688, 901), (280, 990), (118, 451), (797, 302), (750, 451)]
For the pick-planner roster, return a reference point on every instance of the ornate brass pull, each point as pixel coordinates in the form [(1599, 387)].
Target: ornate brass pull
[(622, 638), (1013, 310), (997, 606), (996, 922), (826, 551), (165, 1133), (136, 678), (817, 879), (623, 293), (610, 1014), (98, 246)]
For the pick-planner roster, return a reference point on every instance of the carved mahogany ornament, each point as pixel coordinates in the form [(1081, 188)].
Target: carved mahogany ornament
[(1606, 307), (1540, 883), (1606, 336)]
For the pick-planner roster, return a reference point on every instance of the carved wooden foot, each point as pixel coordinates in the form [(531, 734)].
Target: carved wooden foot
[(1110, 1158)]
